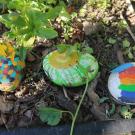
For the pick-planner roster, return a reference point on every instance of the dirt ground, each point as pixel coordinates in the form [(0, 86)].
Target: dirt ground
[(93, 28)]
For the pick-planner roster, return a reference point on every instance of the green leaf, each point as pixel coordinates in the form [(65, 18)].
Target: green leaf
[(126, 43), (19, 22), (29, 43), (103, 99), (88, 50), (53, 13), (73, 15), (47, 33), (112, 40), (3, 1), (13, 19), (133, 48), (71, 49), (22, 53), (16, 4), (112, 110), (78, 46), (122, 24), (5, 19), (10, 35), (130, 55), (125, 112), (64, 15), (62, 48), (37, 16), (51, 1), (50, 115)]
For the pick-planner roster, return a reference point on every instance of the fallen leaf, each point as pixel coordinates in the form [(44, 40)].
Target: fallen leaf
[(5, 106), (50, 115)]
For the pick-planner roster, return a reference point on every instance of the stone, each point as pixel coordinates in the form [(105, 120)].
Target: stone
[(70, 71), (121, 83)]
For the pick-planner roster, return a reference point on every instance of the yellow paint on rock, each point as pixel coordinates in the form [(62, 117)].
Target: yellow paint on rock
[(61, 60), (7, 50)]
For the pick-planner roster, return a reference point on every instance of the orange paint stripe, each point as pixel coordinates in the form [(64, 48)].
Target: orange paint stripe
[(127, 81)]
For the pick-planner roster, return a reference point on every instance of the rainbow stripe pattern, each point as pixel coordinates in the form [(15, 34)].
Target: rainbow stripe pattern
[(10, 69), (122, 83)]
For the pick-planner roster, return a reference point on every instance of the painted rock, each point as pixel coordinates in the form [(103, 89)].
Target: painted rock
[(121, 83), (10, 68), (70, 71)]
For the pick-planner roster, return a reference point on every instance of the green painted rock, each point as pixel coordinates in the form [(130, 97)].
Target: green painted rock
[(70, 70)]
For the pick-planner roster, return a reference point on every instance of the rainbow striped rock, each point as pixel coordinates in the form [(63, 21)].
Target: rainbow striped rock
[(121, 83), (70, 70)]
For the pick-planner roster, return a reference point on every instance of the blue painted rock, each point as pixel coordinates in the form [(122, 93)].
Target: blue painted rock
[(121, 83)]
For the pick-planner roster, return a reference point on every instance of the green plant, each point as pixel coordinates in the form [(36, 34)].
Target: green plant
[(112, 40), (122, 24), (52, 116), (76, 47), (68, 48), (73, 2), (46, 113), (125, 112), (103, 4), (110, 110), (28, 19), (65, 20), (128, 48), (78, 108)]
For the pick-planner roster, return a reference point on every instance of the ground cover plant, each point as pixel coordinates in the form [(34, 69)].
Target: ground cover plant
[(104, 29)]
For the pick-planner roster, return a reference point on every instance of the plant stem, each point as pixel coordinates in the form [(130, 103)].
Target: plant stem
[(78, 108), (22, 53), (69, 113)]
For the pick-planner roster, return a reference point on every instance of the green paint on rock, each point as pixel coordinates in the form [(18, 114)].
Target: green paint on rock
[(74, 75), (129, 88)]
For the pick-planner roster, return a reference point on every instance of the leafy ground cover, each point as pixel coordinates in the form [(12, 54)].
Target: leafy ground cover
[(106, 29)]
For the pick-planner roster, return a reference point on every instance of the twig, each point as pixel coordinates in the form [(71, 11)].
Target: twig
[(128, 28), (98, 113), (4, 122), (119, 54), (93, 84), (91, 90), (65, 93), (130, 7), (130, 32), (120, 57)]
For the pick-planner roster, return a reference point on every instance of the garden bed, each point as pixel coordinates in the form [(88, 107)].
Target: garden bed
[(104, 31), (123, 127)]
